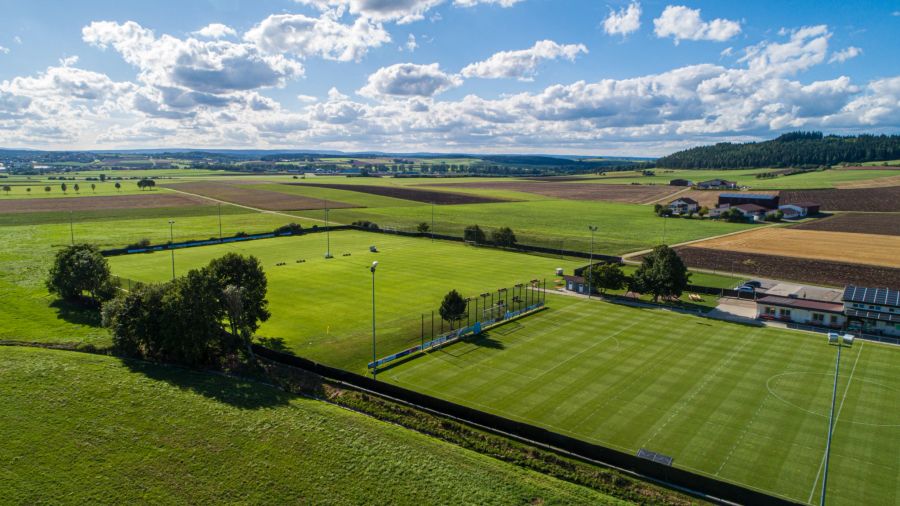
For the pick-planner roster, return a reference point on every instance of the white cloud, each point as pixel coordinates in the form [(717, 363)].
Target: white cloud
[(411, 44), (69, 61), (522, 64), (683, 23), (401, 11), (216, 31), (408, 80), (4, 50), (624, 21), (845, 54), (304, 36), (307, 98), (728, 51), (17, 39), (806, 47)]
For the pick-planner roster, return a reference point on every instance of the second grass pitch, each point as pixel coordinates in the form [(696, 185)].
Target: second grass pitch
[(739, 403)]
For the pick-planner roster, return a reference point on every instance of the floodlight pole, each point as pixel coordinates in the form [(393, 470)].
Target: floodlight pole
[(592, 228), (220, 222), (72, 227), (432, 221), (172, 246), (837, 367), (328, 235), (374, 357)]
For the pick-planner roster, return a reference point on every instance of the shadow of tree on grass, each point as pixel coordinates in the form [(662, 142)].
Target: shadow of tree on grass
[(77, 313)]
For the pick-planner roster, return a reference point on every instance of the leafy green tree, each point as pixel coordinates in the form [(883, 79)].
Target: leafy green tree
[(423, 227), (118, 186), (607, 276), (93, 187), (242, 294), (6, 189), (703, 211), (661, 274), (47, 189), (76, 187), (63, 187), (146, 183), (135, 320), (504, 237), (475, 234), (453, 307), (78, 269)]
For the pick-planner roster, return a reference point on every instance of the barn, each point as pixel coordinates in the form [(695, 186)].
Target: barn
[(799, 209), (736, 199), (680, 182)]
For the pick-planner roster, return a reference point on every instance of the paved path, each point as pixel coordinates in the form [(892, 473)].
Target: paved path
[(258, 210)]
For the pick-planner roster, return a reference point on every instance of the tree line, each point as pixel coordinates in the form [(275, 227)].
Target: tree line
[(662, 274), (796, 149), (203, 318)]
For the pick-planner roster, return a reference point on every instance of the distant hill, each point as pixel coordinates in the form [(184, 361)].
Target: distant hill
[(796, 149)]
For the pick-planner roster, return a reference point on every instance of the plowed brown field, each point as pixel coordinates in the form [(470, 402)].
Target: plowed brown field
[(408, 193), (252, 197), (627, 193), (885, 199), (149, 199), (857, 223)]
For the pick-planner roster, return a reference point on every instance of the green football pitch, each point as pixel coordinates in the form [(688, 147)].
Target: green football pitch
[(740, 403), (321, 308)]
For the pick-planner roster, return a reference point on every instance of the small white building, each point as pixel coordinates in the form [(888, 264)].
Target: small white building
[(802, 311), (684, 205), (799, 209)]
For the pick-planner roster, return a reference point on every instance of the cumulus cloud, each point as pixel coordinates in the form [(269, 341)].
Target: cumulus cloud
[(806, 47), (408, 80), (624, 21), (683, 23), (216, 31), (411, 44), (401, 11), (845, 54), (4, 50), (324, 36), (522, 64)]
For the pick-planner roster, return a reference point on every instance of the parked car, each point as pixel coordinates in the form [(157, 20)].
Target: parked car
[(746, 289), (753, 283)]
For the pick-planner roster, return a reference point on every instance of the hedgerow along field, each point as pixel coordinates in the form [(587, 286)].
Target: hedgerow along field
[(96, 429), (740, 403), (321, 308)]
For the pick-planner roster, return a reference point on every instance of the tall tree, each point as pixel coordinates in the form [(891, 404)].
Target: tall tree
[(423, 227), (661, 274), (504, 237), (608, 276), (248, 284), (77, 269), (453, 307), (475, 234)]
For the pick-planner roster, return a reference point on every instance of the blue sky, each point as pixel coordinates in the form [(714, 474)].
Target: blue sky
[(552, 76)]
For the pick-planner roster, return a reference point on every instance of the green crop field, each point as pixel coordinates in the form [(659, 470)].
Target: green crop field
[(740, 403), (322, 308), (89, 429), (555, 223)]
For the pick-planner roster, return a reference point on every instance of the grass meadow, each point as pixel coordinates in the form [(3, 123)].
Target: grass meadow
[(740, 403), (90, 429), (321, 309), (554, 223)]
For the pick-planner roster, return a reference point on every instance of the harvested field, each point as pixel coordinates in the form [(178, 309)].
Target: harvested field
[(406, 193), (872, 183), (886, 199), (802, 270), (252, 197), (847, 247), (107, 202), (871, 167), (857, 223), (710, 198), (625, 193)]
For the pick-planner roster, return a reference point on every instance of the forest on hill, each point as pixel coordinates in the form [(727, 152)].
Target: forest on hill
[(796, 149)]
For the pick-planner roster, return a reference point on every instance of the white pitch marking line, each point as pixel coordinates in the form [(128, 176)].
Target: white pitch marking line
[(836, 417)]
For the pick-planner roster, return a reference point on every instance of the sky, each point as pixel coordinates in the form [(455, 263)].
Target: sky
[(614, 77)]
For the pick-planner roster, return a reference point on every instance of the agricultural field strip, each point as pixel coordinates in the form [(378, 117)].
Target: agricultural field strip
[(868, 249), (256, 209), (631, 194), (106, 202), (410, 193), (254, 197), (628, 256), (855, 222), (836, 418)]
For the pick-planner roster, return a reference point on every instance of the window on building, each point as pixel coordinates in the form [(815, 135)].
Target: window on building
[(834, 319), (769, 310), (818, 317), (785, 313)]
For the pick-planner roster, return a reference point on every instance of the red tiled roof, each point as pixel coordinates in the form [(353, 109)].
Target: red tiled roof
[(750, 208)]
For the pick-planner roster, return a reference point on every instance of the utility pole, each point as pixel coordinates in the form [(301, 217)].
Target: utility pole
[(592, 228), (220, 222), (432, 221), (328, 235), (374, 357), (172, 246), (72, 227)]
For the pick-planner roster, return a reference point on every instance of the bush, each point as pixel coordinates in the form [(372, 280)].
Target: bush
[(475, 234), (142, 244), (242, 234), (291, 228), (504, 237), (78, 269), (365, 224)]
